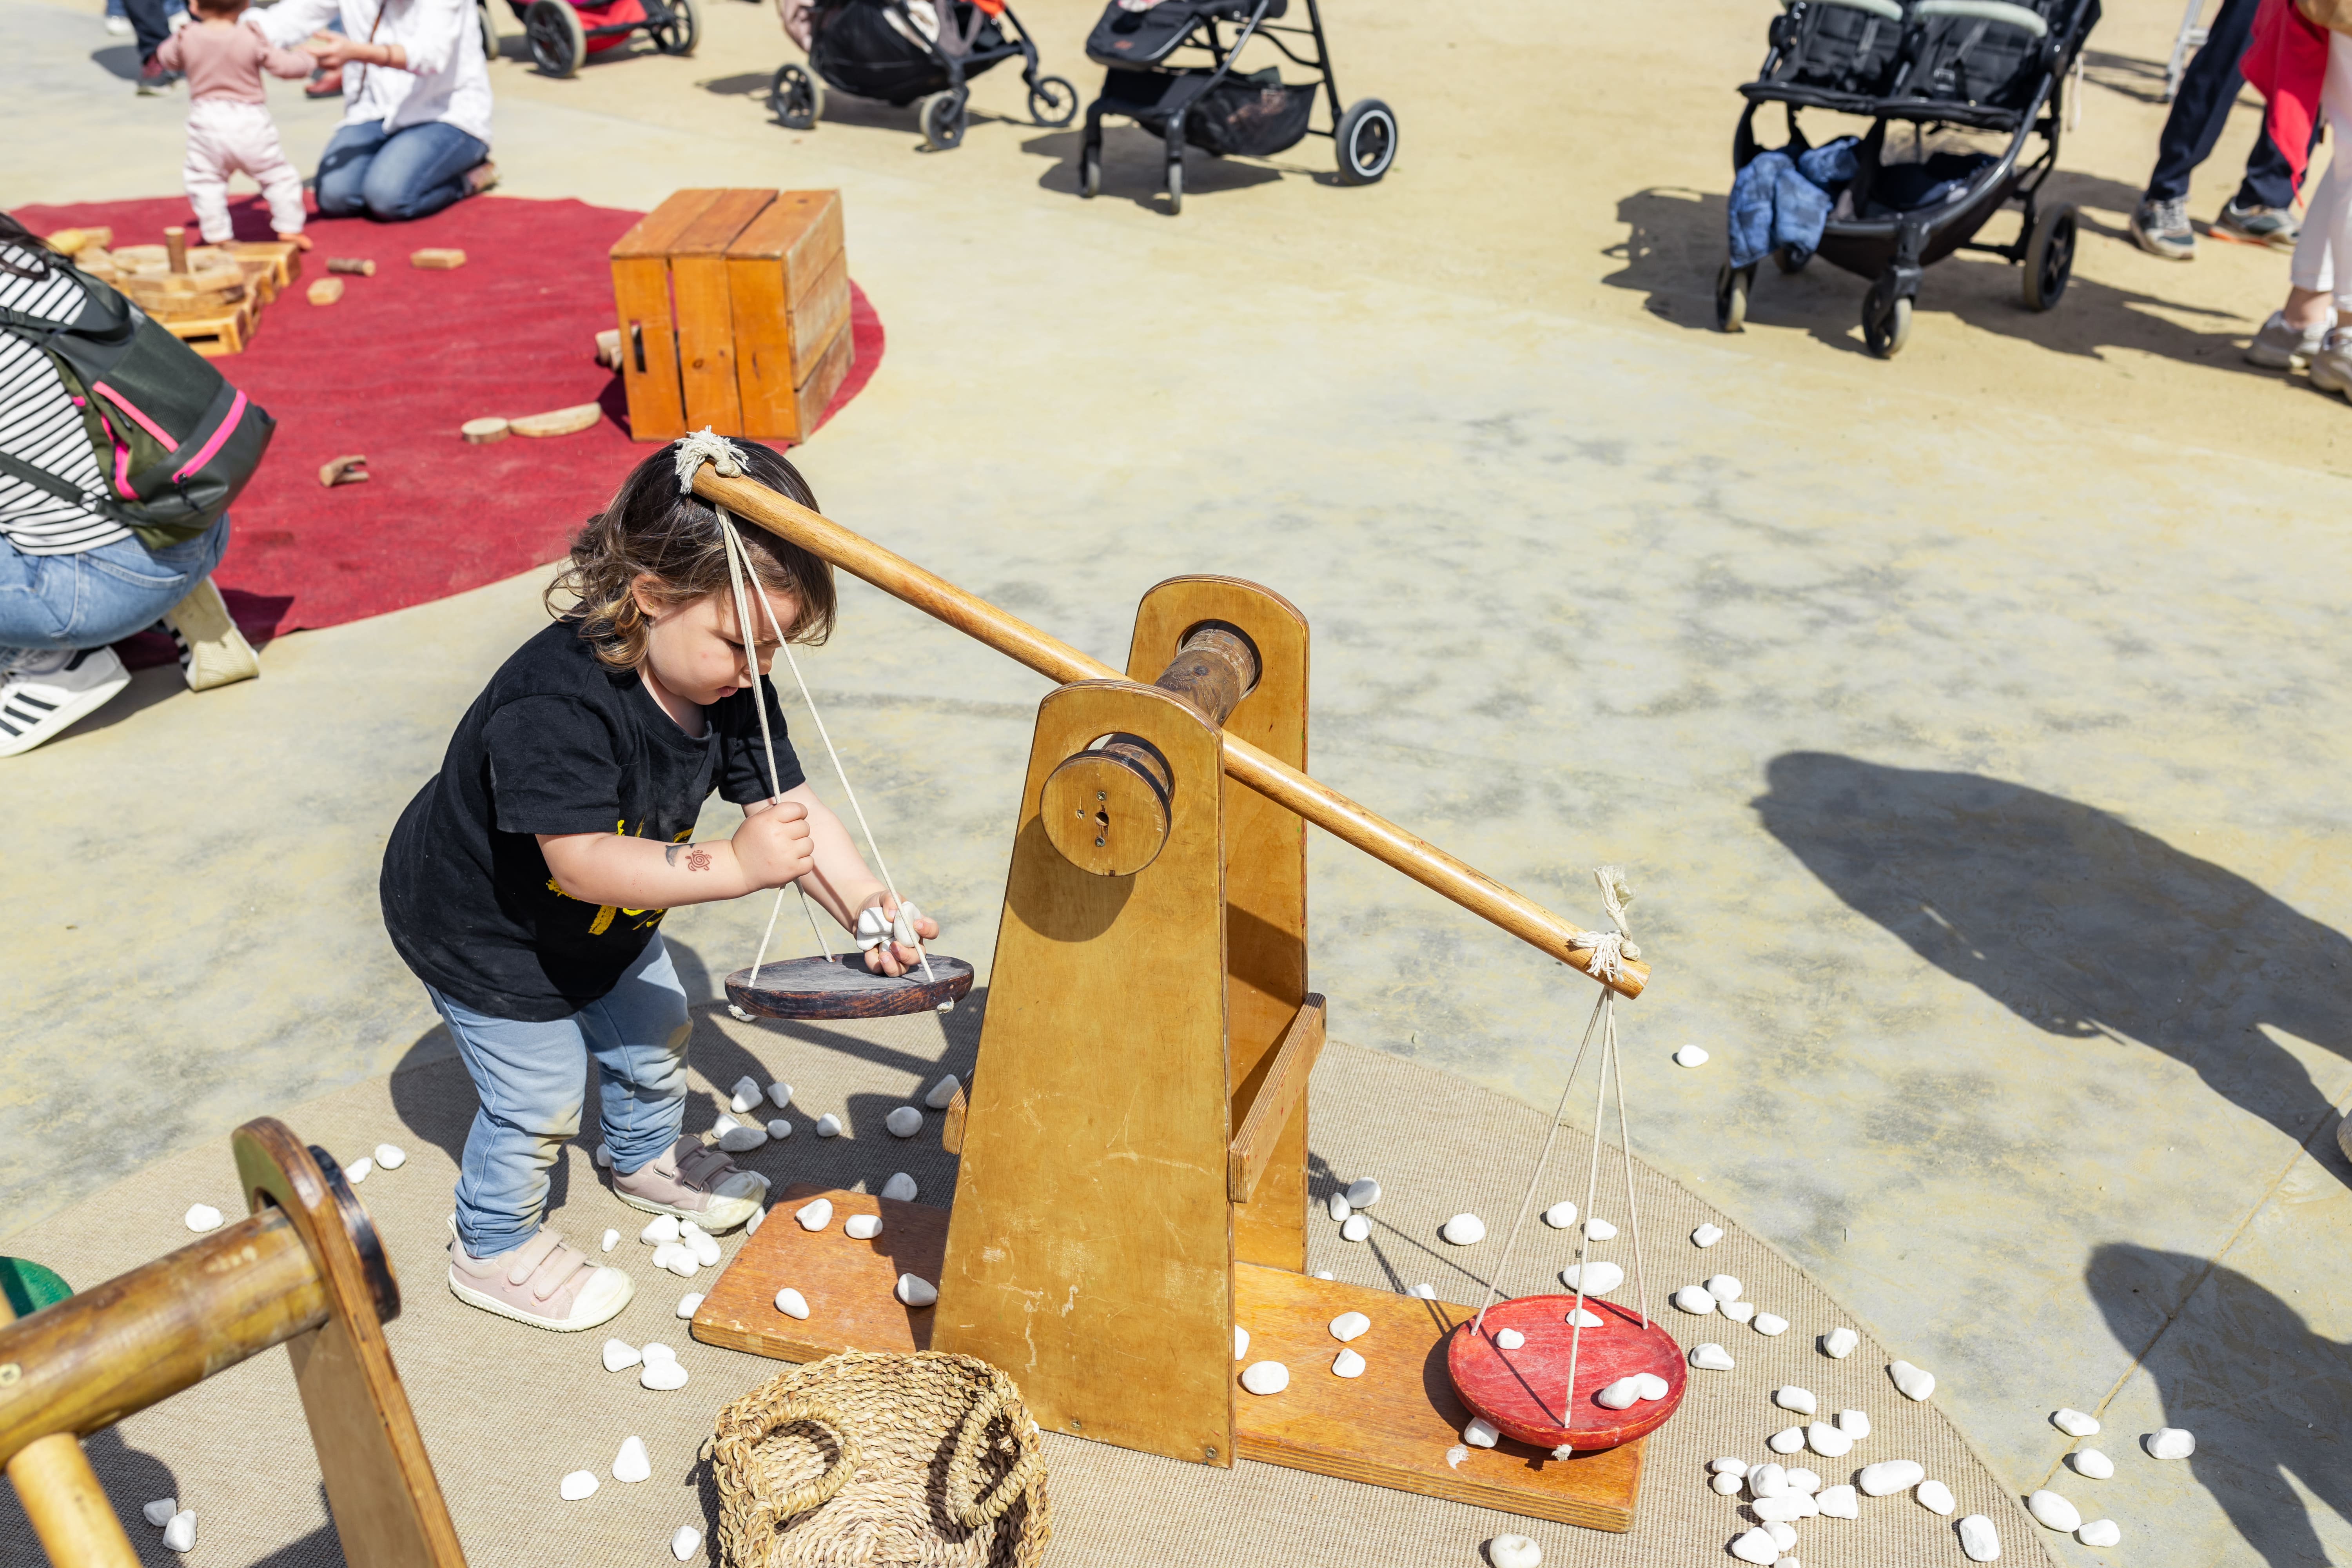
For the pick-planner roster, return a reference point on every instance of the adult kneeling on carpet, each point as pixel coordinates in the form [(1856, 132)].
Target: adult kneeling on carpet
[(416, 134), (86, 565)]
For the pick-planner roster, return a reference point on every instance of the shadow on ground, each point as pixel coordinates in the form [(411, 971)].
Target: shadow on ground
[(2263, 1393), (2078, 922)]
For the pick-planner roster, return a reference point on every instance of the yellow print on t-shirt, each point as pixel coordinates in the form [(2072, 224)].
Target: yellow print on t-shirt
[(604, 912)]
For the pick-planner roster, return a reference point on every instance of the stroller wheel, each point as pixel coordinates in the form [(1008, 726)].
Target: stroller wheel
[(558, 42), (488, 23), (1789, 258), (682, 31), (1090, 170), (1175, 189), (1731, 297), (1886, 321), (796, 97), (1367, 139), (941, 116), (1053, 101), (2049, 256)]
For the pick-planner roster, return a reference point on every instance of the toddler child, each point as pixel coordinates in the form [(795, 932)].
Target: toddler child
[(229, 126), (526, 883)]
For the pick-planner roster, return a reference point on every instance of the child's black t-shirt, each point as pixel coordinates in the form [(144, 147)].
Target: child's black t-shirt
[(557, 743)]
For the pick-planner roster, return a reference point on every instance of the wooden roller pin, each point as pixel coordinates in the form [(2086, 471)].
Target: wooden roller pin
[(351, 470), (437, 258), (482, 432), (326, 290), (559, 421), (357, 266), (175, 241)]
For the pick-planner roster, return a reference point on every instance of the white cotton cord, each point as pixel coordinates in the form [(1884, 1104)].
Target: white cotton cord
[(737, 564), (1615, 1060), (1584, 1231), (815, 930), (1495, 1283), (705, 445)]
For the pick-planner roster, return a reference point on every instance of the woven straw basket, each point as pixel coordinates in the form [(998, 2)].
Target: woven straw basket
[(893, 1461)]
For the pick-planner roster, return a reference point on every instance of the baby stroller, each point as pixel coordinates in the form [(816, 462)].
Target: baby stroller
[(1980, 65), (905, 50), (1210, 104), (562, 34)]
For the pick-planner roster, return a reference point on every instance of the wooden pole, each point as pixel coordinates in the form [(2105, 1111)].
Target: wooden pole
[(1056, 660), (69, 1512)]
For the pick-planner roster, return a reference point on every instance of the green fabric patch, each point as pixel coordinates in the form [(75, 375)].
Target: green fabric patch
[(29, 1286)]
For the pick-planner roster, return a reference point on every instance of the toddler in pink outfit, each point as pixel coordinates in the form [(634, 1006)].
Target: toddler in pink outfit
[(229, 126)]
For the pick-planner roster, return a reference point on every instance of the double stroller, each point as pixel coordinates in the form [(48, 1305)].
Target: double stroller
[(1172, 69), (562, 34), (910, 51), (1980, 66)]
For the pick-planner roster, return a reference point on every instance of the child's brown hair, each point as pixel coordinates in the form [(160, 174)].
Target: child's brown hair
[(651, 530)]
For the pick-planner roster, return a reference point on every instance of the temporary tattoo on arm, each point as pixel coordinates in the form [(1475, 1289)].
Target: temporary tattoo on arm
[(698, 859)]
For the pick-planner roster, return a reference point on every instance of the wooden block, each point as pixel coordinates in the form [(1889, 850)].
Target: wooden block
[(212, 336), (482, 432), (175, 244), (358, 267), (350, 471), (200, 294), (1273, 1099), (952, 1126), (779, 344), (277, 262), (1392, 1425), (437, 258), (640, 263), (74, 241), (560, 422), (848, 1284), (325, 290), (608, 347), (706, 316)]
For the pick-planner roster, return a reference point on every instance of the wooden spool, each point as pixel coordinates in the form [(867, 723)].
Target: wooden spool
[(1523, 1393), (842, 987)]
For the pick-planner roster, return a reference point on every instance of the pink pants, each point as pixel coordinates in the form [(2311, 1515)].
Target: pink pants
[(223, 136)]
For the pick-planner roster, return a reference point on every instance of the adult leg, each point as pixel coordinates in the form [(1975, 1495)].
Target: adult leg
[(2201, 108), (343, 168), (60, 603), (148, 26), (419, 170)]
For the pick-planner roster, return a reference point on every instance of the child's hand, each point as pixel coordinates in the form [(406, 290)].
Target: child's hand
[(773, 845), (892, 957)]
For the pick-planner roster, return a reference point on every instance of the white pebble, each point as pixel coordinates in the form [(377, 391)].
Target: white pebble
[(916, 1291), (1578, 1318), (1454, 1455), (631, 1465), (1347, 1363), (159, 1512), (1710, 1357), (1465, 1230), (1783, 1536), (611, 1239), (900, 1188), (655, 1350), (862, 1227), (1481, 1432), (1828, 1441), (662, 1375), (2075, 1423), (1935, 1497), (747, 1096), (678, 1258), (1707, 1236), (1728, 1465), (666, 1254), (751, 1226), (1349, 1325), (1691, 1057), (1738, 1312), (814, 1214), (1853, 1423), (1337, 1207), (578, 1485), (689, 1304), (943, 1093), (1364, 1192), (180, 1534), (1913, 1383), (1619, 1395), (1600, 1277), (1513, 1552), (1758, 1547), (1724, 1287), (1801, 1479), (604, 1156), (1786, 1507), (792, 1303), (1888, 1476), (1561, 1216), (742, 1140), (1724, 1485), (2100, 1532), (1839, 1502), (1265, 1377), (904, 1122), (2169, 1443), (1650, 1386), (2055, 1511), (618, 1355), (1599, 1229), (1357, 1228), (1979, 1539), (1770, 1324), (687, 1230), (359, 1170), (1788, 1562), (1768, 1479), (779, 1128), (1694, 1300), (1323, 1274), (828, 1125), (724, 1125), (779, 1095), (1840, 1343), (202, 1217), (658, 1229), (1800, 1400), (2091, 1463), (1241, 1341), (391, 1156), (1509, 1339), (705, 1249), (1787, 1441), (686, 1543)]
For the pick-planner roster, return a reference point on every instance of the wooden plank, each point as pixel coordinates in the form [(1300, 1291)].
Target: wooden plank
[(778, 344), (798, 235), (1089, 1254), (952, 1126), (847, 1284), (1391, 1426), (1266, 877), (1273, 1105), (640, 263), (706, 313)]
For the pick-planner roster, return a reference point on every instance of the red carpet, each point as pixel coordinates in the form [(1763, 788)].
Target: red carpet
[(391, 370)]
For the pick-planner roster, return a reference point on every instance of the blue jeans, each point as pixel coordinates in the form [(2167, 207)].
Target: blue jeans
[(101, 596), (414, 173), (2209, 87), (528, 1077)]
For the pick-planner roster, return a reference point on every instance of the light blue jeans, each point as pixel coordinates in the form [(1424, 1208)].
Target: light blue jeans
[(529, 1079), (414, 173), (51, 603)]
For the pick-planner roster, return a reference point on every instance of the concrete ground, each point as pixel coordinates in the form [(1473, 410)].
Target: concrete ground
[(1948, 711)]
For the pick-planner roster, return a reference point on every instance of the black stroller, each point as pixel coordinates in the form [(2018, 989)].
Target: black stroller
[(1214, 107), (1980, 65), (902, 52)]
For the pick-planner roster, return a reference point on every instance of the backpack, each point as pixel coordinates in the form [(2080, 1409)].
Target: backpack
[(175, 440)]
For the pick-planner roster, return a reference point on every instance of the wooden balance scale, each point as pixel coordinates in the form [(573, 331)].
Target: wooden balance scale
[(1133, 1179)]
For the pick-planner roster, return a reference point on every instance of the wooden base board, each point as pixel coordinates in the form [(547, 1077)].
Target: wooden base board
[(1391, 1427), (212, 336)]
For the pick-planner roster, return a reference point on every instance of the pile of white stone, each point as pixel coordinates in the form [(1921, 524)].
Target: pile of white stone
[(203, 1217)]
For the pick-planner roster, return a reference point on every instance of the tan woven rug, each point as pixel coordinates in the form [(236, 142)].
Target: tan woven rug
[(508, 1411)]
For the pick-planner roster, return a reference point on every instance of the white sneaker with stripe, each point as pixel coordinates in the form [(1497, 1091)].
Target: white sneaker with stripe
[(45, 694)]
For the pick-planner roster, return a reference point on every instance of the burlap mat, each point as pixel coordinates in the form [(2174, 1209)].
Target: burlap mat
[(508, 1411)]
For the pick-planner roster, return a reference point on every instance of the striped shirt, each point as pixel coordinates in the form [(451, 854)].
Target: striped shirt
[(40, 426)]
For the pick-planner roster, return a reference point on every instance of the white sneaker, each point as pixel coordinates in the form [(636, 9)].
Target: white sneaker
[(213, 652), (46, 693), (2331, 367), (119, 26)]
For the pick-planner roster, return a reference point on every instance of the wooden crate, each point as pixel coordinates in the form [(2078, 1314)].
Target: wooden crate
[(733, 309), (213, 336)]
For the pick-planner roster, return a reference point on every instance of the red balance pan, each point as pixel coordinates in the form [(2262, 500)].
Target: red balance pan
[(1524, 1393)]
